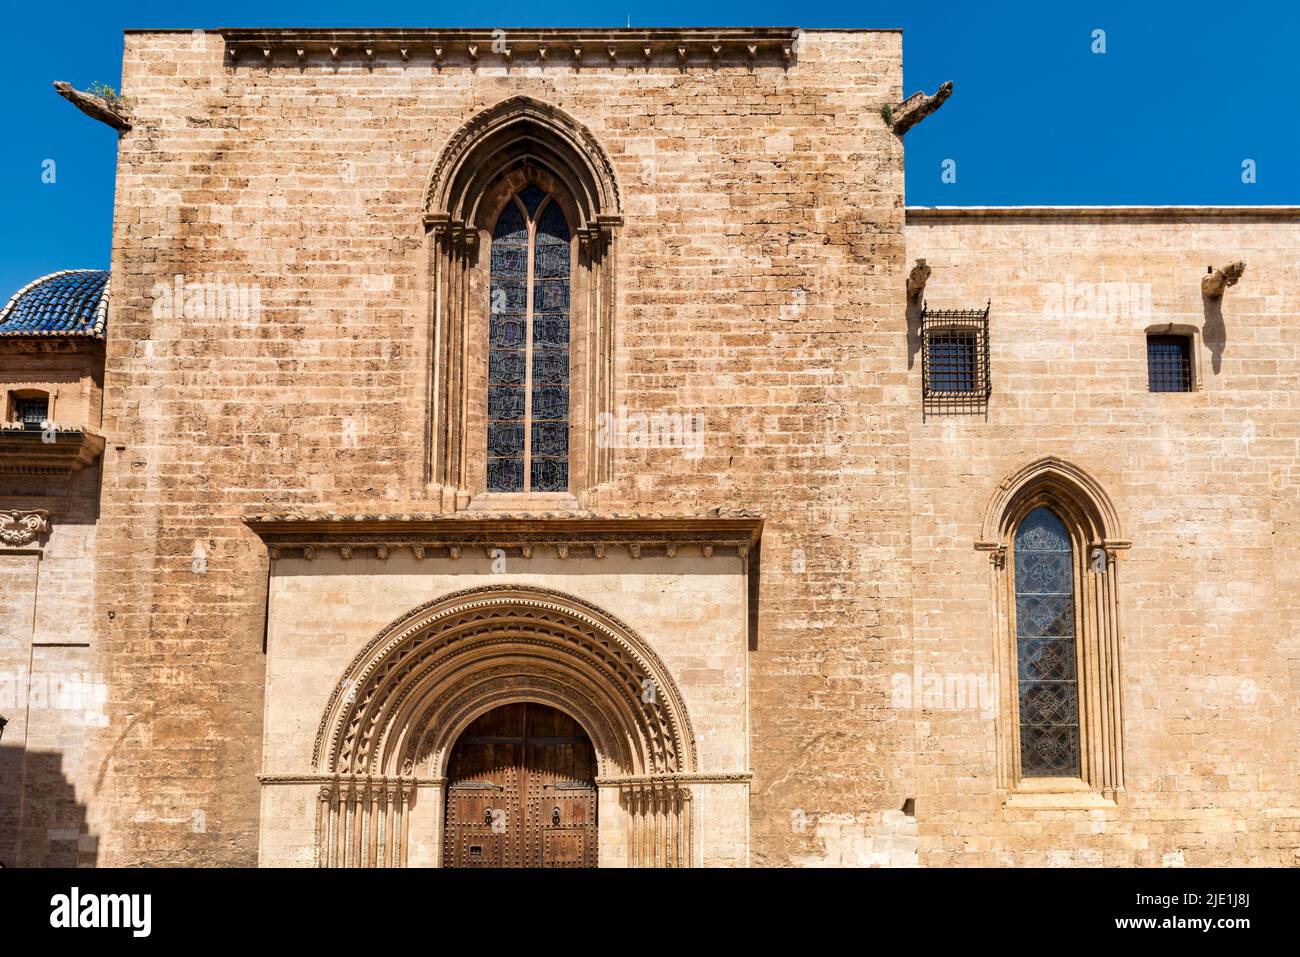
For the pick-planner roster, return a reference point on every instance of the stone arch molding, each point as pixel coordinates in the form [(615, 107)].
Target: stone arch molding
[(1066, 486), (408, 694), (521, 130)]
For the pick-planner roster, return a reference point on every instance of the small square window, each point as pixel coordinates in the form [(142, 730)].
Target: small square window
[(31, 412), (1169, 363), (952, 362)]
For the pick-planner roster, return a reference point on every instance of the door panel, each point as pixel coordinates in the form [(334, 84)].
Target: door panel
[(521, 791)]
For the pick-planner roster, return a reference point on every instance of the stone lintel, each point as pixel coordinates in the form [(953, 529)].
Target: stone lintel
[(580, 535)]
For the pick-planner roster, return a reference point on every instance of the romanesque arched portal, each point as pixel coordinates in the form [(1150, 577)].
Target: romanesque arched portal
[(389, 728)]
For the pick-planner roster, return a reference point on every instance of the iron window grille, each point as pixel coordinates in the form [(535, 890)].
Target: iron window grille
[(1169, 363), (31, 413), (955, 361)]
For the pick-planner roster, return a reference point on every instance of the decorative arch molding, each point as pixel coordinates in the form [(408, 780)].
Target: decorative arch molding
[(517, 142), (387, 733), (1067, 484), (1096, 538), (518, 131), (466, 646)]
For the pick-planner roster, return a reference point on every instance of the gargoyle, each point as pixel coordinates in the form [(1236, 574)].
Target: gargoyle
[(917, 279), (96, 107), (916, 108), (1216, 280)]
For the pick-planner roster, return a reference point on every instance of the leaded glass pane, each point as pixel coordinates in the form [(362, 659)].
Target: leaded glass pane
[(551, 439), (550, 402), (1047, 616), (509, 260), (528, 402), (1045, 649), (505, 403), (551, 332), (551, 296), (507, 332), (506, 368), (550, 475), (552, 260), (552, 228), (550, 367), (1046, 659), (505, 475), (531, 197), (511, 228), (505, 440)]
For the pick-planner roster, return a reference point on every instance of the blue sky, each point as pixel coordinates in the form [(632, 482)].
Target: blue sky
[(1184, 93)]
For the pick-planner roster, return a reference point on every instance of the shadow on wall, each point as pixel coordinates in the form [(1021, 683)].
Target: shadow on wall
[(914, 309), (41, 822), (1214, 332)]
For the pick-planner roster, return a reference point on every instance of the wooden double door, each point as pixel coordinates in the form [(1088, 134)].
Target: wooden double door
[(521, 791)]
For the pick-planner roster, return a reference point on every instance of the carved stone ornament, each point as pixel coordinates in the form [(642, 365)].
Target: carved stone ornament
[(20, 527), (1215, 281)]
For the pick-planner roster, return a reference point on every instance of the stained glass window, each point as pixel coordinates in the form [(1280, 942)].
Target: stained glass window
[(1045, 656), (528, 347)]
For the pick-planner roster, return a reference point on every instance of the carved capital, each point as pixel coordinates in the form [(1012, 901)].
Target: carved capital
[(19, 527)]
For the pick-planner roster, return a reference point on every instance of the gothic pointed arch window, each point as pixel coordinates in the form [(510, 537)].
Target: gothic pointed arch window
[(1055, 539), (528, 347), (1046, 671), (522, 212)]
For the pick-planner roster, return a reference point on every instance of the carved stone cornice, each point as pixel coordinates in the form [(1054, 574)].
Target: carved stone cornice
[(24, 452), (21, 527), (568, 49), (580, 535)]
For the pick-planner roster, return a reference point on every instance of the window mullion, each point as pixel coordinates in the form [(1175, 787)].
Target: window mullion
[(528, 356)]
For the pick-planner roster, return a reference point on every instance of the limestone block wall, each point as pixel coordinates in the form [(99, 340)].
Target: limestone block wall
[(51, 690), (1205, 484), (757, 284), (692, 611)]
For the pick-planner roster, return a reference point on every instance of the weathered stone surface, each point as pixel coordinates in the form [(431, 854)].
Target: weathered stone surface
[(760, 278)]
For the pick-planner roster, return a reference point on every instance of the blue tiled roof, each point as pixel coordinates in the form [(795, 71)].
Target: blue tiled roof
[(73, 302)]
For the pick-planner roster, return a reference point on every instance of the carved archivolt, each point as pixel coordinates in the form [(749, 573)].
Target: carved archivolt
[(408, 694), (520, 129), (1070, 487)]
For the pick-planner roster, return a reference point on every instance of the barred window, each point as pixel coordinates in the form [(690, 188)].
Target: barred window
[(1045, 648), (955, 361), (31, 411), (1169, 363), (952, 362), (528, 347)]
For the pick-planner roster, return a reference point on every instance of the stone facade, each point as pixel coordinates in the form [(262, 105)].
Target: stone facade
[(290, 476)]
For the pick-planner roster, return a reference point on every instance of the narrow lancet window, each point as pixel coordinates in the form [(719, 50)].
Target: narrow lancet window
[(528, 347), (1045, 648)]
